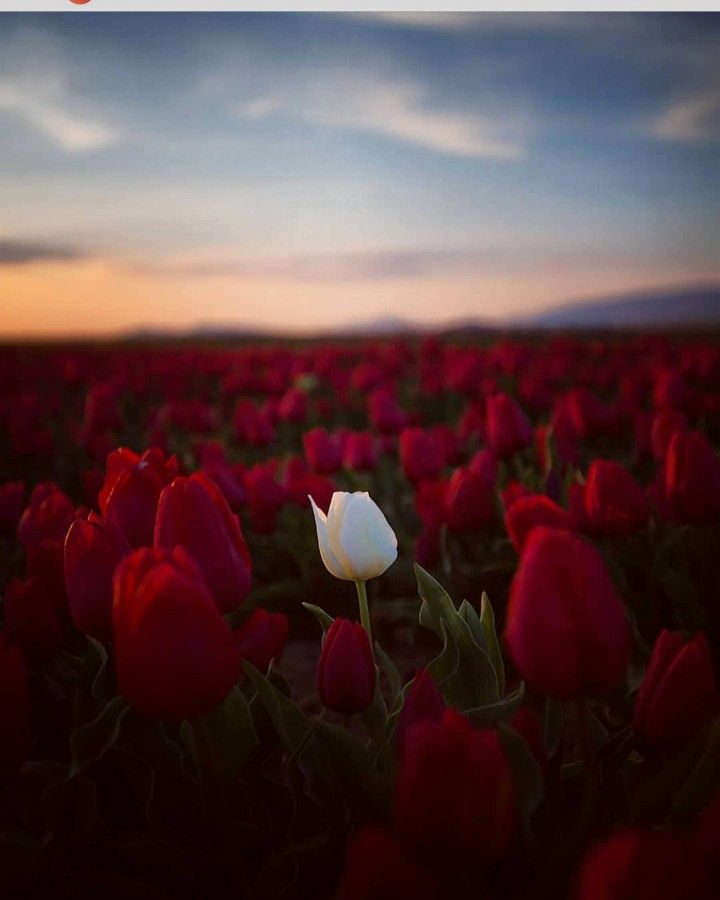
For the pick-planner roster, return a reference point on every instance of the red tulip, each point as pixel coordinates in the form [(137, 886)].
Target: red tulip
[(322, 451), (359, 451), (192, 512), (664, 425), (293, 406), (379, 867), (175, 656), (386, 415), (15, 711), (47, 517), (529, 512), (93, 548), (420, 454), (31, 619), (261, 638), (615, 504), (566, 628), (637, 865), (11, 507), (508, 428), (423, 703), (346, 670), (454, 795), (469, 502), (679, 692), (692, 478), (130, 492), (266, 497)]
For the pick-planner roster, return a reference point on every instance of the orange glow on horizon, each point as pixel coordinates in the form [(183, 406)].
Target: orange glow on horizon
[(98, 297)]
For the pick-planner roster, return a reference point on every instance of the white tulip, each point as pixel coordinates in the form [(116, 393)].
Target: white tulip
[(355, 540)]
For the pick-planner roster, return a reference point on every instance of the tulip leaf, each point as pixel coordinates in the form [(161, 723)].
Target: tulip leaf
[(436, 603), (292, 725), (702, 783), (475, 683), (485, 716), (325, 619), (90, 742), (487, 620), (232, 733), (390, 670), (527, 774), (350, 766)]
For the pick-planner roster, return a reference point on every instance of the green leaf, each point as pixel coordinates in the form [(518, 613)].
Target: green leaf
[(390, 670), (702, 783), (485, 716), (527, 774), (103, 684), (436, 603), (472, 680), (90, 742), (231, 731), (325, 619), (350, 765), (487, 620), (292, 725)]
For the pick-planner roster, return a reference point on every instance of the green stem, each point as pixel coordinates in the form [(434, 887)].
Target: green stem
[(364, 610)]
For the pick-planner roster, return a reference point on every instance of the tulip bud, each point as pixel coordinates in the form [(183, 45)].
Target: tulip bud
[(664, 425), (261, 638), (469, 502), (679, 692), (293, 406), (130, 492), (93, 548), (359, 451), (508, 428), (636, 865), (322, 451), (192, 512), (31, 619), (47, 517), (692, 478), (615, 504), (423, 703), (15, 711), (346, 670), (355, 540), (530, 511), (566, 628), (454, 795), (386, 415), (379, 867), (421, 455), (175, 656), (11, 507)]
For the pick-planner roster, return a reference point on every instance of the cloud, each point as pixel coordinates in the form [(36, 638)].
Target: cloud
[(693, 119), (394, 107), (15, 252), (36, 86)]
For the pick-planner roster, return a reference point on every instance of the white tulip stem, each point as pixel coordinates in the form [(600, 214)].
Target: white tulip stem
[(364, 610)]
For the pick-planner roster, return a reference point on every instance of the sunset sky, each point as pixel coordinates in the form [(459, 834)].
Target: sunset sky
[(304, 170)]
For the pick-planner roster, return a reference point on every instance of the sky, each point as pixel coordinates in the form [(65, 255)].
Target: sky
[(308, 171)]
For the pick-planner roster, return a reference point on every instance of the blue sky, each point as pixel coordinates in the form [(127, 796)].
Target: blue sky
[(304, 170)]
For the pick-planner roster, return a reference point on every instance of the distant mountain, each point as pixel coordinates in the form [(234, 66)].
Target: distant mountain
[(683, 307)]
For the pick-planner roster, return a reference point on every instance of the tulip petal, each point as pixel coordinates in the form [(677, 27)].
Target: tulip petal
[(332, 564), (366, 538)]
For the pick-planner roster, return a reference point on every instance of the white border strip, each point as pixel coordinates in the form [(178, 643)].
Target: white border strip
[(352, 6)]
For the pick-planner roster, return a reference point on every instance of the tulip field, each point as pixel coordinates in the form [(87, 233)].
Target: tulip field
[(432, 617)]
